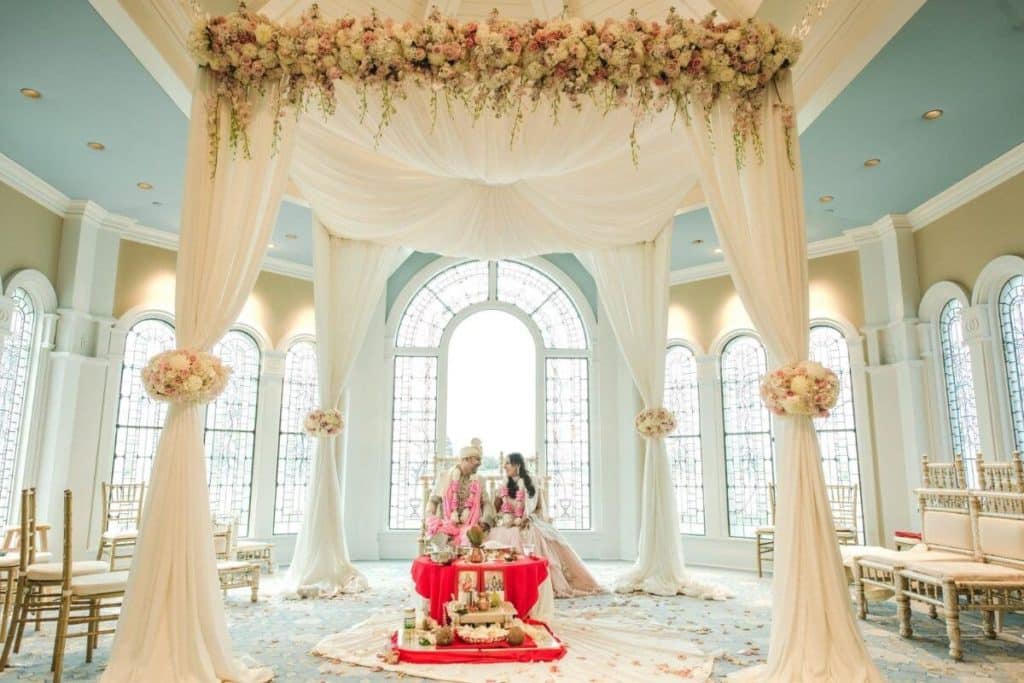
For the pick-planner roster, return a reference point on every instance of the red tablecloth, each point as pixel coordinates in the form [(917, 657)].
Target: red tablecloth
[(438, 581)]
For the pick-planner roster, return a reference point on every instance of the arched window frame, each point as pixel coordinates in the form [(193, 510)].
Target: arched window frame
[(544, 356), (43, 299), (692, 521), (294, 435), (243, 516)]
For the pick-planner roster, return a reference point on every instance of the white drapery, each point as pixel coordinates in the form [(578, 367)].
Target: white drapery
[(759, 217), (349, 278), (172, 625)]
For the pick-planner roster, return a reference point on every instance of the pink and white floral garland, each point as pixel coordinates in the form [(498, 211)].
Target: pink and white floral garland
[(320, 422), (512, 512), (455, 519), (185, 376), (498, 65), (802, 388), (655, 423)]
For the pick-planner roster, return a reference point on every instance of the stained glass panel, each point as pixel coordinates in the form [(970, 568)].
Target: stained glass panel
[(568, 441), (413, 434), (139, 418), (434, 306), (295, 449), (231, 430), (683, 445), (15, 373), (749, 451), (542, 299), (837, 433), (959, 381), (1011, 324)]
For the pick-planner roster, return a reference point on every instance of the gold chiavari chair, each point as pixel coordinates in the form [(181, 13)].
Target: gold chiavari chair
[(122, 515)]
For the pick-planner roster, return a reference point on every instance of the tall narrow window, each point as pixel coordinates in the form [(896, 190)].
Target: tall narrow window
[(1011, 324), (684, 452), (295, 449), (749, 451), (413, 436), (837, 433), (231, 430), (139, 418), (15, 375), (959, 381)]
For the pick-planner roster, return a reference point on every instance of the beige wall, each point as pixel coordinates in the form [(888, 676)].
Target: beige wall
[(702, 311), (957, 246), (29, 235), (280, 306)]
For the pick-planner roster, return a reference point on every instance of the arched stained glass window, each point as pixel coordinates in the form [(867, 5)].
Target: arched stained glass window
[(231, 430), (563, 355), (1011, 325), (15, 374), (684, 450), (749, 451), (295, 449), (837, 433), (139, 418), (959, 381)]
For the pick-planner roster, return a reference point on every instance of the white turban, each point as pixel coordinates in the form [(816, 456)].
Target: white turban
[(473, 449)]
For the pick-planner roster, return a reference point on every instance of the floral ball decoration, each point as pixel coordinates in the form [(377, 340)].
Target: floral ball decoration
[(804, 388), (321, 422), (655, 423), (185, 376)]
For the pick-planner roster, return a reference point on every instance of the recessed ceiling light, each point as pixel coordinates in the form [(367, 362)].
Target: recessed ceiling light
[(98, 146), (272, 246), (872, 162), (931, 114), (718, 251), (31, 93), (825, 198), (697, 242), (291, 236), (144, 186), (158, 203)]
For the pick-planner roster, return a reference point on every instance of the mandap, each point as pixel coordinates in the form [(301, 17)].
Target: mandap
[(490, 139)]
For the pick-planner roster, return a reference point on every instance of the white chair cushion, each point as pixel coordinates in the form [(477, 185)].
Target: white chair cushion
[(125, 535), (765, 530), (96, 584), (894, 558), (1001, 536), (948, 529), (967, 572), (250, 546), (231, 565), (52, 571), (9, 560)]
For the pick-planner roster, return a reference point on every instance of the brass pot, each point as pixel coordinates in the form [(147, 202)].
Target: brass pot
[(476, 555)]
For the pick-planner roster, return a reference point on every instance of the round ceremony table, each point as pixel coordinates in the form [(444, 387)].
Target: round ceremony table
[(437, 582)]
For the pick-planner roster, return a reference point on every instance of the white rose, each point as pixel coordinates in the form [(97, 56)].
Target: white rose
[(799, 385), (792, 405), (178, 361), (193, 383)]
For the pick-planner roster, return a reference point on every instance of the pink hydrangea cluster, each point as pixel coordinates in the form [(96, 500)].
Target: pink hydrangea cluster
[(655, 423), (185, 376), (498, 65), (321, 422), (803, 388)]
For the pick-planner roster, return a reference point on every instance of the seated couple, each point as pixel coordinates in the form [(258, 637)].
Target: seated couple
[(516, 517)]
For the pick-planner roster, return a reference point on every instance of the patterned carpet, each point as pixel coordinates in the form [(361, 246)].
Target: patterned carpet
[(280, 633)]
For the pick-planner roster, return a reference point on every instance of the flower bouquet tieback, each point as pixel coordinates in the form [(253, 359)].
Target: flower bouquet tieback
[(185, 376), (655, 423), (320, 422), (803, 388)]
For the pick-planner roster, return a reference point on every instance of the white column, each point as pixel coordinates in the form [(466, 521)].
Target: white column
[(264, 470), (709, 386), (866, 444), (996, 437)]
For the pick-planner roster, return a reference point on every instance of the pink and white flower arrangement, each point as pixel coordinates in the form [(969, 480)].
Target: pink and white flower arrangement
[(655, 423), (513, 509), (803, 388), (184, 376), (499, 65), (321, 422)]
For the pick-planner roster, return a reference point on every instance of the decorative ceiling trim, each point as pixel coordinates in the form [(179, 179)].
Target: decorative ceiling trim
[(38, 190)]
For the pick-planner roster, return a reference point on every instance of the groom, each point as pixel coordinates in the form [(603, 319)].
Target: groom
[(460, 499)]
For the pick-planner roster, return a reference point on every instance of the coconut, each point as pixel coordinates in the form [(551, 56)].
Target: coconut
[(444, 636), (516, 636)]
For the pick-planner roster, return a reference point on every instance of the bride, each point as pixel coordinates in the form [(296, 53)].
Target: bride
[(522, 521)]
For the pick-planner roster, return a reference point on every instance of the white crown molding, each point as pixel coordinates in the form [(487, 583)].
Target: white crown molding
[(976, 184), (32, 186)]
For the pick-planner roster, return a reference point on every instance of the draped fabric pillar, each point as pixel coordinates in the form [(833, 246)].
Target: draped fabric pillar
[(349, 277), (632, 284), (759, 216), (172, 625)]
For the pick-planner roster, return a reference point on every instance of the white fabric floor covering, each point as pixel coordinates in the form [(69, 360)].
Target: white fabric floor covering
[(598, 650)]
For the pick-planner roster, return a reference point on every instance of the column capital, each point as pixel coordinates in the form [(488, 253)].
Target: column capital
[(274, 363), (976, 323), (6, 316)]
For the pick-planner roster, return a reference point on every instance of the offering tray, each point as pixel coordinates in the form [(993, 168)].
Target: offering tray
[(501, 615)]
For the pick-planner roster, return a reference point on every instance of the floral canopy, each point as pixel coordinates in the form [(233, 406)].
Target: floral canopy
[(486, 139)]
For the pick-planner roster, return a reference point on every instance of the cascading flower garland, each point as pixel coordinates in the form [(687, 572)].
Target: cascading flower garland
[(655, 423), (512, 511), (185, 376), (320, 422), (803, 388), (497, 65)]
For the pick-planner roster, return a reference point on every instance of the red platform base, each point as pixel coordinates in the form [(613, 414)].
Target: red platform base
[(460, 652)]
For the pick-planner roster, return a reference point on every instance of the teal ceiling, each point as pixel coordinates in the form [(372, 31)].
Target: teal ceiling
[(962, 57)]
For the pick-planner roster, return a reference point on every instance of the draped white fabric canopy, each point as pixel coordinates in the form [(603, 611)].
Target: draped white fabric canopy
[(464, 189)]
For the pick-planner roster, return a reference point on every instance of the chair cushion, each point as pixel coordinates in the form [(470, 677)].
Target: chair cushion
[(96, 584), (894, 558), (52, 571), (912, 535), (127, 534), (765, 530), (948, 529), (251, 546), (966, 572), (9, 560), (1001, 536), (231, 565)]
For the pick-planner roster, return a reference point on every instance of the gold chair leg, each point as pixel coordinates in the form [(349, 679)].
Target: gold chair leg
[(17, 618), (9, 588), (57, 665), (92, 639)]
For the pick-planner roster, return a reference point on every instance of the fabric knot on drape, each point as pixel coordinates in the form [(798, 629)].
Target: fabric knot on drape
[(324, 423), (804, 388), (655, 423), (185, 376)]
